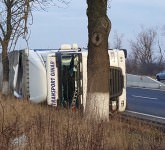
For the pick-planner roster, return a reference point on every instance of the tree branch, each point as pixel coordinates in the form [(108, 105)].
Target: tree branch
[(1, 40)]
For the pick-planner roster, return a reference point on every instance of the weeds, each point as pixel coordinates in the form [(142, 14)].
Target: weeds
[(39, 127)]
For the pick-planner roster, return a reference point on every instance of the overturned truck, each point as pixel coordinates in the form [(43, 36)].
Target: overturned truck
[(59, 76)]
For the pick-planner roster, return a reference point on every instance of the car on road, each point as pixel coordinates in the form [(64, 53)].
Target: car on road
[(160, 75)]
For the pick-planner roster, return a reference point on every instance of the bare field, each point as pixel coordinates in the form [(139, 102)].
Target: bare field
[(26, 126)]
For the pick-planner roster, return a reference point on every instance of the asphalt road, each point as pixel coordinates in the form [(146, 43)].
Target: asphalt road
[(147, 101)]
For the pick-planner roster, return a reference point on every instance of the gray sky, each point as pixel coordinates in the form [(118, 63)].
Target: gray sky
[(68, 24)]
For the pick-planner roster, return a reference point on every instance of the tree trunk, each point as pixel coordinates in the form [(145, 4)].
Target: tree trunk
[(5, 66), (97, 104)]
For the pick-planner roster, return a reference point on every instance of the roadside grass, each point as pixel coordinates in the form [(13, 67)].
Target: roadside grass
[(26, 126)]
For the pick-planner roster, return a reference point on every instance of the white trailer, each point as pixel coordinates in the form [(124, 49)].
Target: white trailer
[(59, 77)]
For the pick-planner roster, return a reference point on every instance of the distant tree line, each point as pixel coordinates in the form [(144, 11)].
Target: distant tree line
[(146, 55)]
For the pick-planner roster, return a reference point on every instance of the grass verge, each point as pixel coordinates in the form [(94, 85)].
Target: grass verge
[(39, 127)]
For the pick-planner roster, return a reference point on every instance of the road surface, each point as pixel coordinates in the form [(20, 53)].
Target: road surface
[(147, 101)]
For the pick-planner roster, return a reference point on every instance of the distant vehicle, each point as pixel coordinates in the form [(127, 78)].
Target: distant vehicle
[(160, 75)]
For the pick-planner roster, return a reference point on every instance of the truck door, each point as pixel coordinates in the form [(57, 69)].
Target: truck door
[(70, 80)]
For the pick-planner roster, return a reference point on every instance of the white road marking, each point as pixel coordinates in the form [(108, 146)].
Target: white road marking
[(145, 97)]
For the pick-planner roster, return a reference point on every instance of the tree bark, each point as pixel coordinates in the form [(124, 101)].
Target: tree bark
[(97, 104), (5, 66)]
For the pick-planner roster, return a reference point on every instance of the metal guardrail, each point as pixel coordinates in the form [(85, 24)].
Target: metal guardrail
[(146, 118)]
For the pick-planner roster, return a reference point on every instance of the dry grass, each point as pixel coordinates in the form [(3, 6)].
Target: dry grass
[(46, 128)]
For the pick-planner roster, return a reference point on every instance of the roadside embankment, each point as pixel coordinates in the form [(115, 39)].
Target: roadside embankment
[(143, 81)]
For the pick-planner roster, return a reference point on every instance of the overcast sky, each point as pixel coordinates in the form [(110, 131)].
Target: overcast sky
[(68, 24)]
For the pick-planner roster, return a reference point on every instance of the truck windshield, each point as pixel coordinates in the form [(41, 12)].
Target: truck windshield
[(70, 79)]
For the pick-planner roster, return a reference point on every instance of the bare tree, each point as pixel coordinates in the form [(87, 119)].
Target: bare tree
[(14, 15), (161, 49), (143, 47), (99, 25), (13, 24), (161, 52), (147, 54), (117, 40)]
